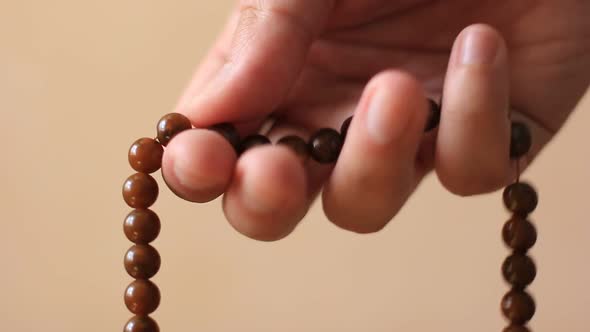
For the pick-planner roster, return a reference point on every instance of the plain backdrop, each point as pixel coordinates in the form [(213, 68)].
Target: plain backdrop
[(80, 80)]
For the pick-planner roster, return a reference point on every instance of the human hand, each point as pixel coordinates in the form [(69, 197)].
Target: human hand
[(313, 63)]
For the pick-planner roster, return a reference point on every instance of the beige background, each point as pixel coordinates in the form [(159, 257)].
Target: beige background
[(79, 81)]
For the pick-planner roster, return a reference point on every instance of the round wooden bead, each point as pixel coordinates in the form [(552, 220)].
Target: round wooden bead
[(145, 155), (519, 270), (516, 328), (518, 307), (520, 198), (433, 116), (253, 141), (142, 261), (171, 125), (345, 126), (325, 145), (297, 145), (229, 132), (140, 191), (520, 140), (142, 297), (141, 324), (519, 234), (142, 226)]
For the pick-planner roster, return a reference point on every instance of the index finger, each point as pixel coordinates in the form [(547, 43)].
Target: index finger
[(267, 52)]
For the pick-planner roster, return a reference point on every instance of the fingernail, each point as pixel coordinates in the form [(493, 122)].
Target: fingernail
[(381, 125), (479, 47)]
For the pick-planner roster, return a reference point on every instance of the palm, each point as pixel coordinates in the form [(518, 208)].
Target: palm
[(417, 36)]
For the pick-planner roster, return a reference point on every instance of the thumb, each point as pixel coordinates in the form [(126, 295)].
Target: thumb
[(268, 50)]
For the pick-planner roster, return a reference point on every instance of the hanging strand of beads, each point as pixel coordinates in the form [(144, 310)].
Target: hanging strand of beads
[(519, 234)]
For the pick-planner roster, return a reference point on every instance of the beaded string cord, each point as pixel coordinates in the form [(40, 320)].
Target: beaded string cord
[(142, 225)]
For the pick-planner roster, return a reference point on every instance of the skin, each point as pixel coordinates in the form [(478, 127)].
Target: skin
[(313, 63)]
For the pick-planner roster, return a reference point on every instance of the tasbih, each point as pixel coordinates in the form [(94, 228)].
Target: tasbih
[(142, 225)]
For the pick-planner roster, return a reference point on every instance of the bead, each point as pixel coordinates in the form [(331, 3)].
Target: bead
[(171, 125), (140, 191), (519, 234), (518, 307), (325, 145), (142, 226), (229, 132), (516, 328), (433, 116), (145, 155), (252, 141), (141, 324), (520, 198), (142, 261), (520, 140), (345, 126), (142, 297), (297, 145), (519, 270)]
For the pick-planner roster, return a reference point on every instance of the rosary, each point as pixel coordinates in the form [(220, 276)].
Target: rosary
[(142, 225)]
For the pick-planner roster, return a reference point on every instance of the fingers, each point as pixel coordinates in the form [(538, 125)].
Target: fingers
[(472, 149), (376, 171), (268, 51), (268, 194), (241, 81), (213, 62), (198, 165)]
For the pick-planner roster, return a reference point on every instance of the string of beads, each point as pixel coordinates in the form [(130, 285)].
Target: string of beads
[(520, 235), (142, 225)]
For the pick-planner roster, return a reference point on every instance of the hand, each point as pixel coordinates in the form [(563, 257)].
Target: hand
[(313, 63)]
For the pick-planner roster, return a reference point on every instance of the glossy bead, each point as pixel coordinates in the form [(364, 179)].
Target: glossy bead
[(516, 328), (518, 307), (433, 116), (229, 132), (519, 270), (520, 140), (142, 261), (345, 126), (253, 141), (297, 145), (171, 125), (141, 324), (141, 226), (142, 297), (520, 198), (145, 155), (519, 234), (140, 191), (325, 145)]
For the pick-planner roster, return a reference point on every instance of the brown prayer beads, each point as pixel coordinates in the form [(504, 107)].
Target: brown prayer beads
[(297, 145), (171, 125), (145, 155), (142, 261), (142, 297), (140, 191), (141, 324), (142, 225), (433, 116), (325, 145), (520, 235), (253, 141), (229, 132)]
